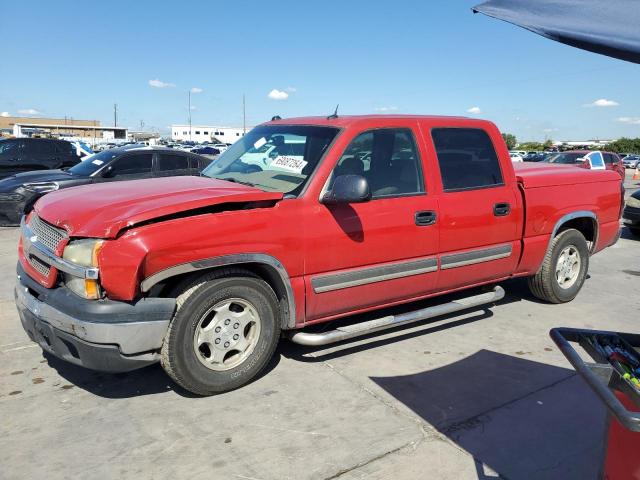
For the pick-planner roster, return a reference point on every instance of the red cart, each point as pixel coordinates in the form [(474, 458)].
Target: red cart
[(612, 379)]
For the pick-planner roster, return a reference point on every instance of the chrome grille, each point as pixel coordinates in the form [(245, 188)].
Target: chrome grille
[(48, 235), (39, 265)]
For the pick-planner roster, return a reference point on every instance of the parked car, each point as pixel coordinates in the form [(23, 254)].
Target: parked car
[(631, 214), (26, 154), (631, 161), (206, 150), (221, 146), (515, 157), (19, 192), (202, 274), (595, 160), (535, 156)]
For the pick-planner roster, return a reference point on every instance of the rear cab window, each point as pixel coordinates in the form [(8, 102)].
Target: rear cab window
[(467, 159)]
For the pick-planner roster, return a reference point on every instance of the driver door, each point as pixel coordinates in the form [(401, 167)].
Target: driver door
[(378, 252)]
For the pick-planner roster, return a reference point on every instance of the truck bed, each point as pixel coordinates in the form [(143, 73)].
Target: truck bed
[(535, 175)]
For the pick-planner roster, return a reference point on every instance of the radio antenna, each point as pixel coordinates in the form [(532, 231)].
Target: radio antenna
[(334, 115)]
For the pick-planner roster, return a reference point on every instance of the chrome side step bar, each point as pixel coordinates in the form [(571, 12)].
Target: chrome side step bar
[(392, 321)]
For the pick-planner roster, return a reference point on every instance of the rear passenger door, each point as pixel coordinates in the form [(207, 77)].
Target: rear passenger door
[(171, 165), (480, 208), (613, 162)]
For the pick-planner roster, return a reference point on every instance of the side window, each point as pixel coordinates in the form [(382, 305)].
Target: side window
[(467, 159), (42, 147), (610, 158), (9, 147), (65, 148), (132, 165), (172, 162), (198, 163), (387, 158)]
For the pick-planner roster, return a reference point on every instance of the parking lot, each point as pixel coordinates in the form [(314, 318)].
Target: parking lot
[(481, 395)]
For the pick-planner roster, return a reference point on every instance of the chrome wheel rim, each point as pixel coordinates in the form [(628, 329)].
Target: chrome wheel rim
[(568, 267), (227, 334)]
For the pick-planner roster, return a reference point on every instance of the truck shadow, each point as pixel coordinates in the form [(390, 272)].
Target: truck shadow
[(515, 291), (146, 381), (522, 418)]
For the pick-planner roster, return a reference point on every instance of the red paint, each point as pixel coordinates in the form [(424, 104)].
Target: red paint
[(310, 238), (622, 461), (102, 211)]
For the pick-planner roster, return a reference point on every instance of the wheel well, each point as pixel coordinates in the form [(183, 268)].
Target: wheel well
[(585, 225), (265, 272)]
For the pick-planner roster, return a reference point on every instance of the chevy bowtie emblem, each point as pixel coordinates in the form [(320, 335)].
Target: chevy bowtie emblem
[(33, 239)]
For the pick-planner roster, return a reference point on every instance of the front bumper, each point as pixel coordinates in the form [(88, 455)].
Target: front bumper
[(631, 216), (101, 335)]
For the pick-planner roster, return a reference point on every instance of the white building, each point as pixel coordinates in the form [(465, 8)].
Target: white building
[(206, 133)]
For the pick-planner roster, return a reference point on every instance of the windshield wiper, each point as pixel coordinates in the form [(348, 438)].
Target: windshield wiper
[(235, 180)]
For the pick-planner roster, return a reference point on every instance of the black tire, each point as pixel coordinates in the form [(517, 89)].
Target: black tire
[(197, 296), (544, 285), (635, 231)]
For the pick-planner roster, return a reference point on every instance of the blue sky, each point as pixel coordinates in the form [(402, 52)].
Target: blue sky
[(426, 57)]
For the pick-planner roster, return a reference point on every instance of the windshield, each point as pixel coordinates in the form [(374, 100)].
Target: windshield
[(564, 158), (276, 158), (93, 163)]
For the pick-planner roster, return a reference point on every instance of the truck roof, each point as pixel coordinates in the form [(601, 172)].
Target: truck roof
[(347, 120)]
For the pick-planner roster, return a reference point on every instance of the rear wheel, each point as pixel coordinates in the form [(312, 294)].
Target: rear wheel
[(563, 270), (223, 334)]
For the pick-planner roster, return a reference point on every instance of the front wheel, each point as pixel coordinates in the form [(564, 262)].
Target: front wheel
[(225, 331), (563, 270)]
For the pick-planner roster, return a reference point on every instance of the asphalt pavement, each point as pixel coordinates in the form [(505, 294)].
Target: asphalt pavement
[(481, 395)]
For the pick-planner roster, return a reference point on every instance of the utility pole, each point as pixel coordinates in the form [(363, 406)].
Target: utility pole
[(189, 114), (115, 114), (244, 116)]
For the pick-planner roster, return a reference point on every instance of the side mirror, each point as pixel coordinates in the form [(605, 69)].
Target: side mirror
[(348, 189), (107, 172)]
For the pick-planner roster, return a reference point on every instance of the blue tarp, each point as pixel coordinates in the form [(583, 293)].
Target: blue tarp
[(608, 27)]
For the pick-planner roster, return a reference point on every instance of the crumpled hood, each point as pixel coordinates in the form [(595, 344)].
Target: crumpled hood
[(102, 211)]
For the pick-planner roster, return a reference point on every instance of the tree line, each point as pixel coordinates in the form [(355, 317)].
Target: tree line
[(622, 145)]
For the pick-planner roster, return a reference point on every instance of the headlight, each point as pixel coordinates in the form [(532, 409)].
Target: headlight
[(84, 253), (633, 202), (41, 187)]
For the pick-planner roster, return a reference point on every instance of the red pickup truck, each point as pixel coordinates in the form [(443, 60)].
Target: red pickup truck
[(301, 221)]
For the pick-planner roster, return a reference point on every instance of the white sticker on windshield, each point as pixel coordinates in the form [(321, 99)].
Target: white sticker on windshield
[(259, 143), (289, 163), (97, 162)]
